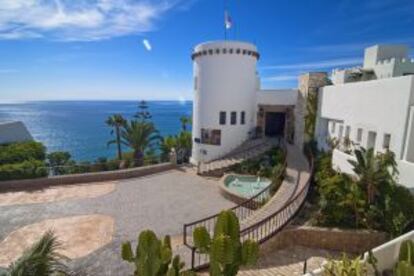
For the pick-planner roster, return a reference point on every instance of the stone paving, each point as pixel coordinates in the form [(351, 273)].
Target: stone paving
[(162, 202)]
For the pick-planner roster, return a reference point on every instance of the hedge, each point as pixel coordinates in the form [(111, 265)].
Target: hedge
[(19, 152), (24, 170)]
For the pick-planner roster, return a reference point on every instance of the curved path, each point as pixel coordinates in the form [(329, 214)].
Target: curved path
[(263, 223)]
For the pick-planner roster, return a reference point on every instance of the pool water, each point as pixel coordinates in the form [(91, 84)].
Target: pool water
[(246, 185)]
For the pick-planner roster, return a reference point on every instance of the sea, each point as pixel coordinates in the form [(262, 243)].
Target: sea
[(79, 126)]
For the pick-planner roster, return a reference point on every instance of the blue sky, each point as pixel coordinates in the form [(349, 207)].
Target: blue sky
[(140, 49)]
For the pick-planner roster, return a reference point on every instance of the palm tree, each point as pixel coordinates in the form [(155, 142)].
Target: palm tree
[(116, 121), (167, 144), (373, 171), (140, 136), (40, 259), (185, 120)]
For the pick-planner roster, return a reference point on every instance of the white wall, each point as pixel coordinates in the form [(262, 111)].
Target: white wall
[(277, 97), (380, 106), (14, 132), (340, 162), (226, 82)]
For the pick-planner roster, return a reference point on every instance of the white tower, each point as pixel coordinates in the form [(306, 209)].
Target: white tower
[(224, 97)]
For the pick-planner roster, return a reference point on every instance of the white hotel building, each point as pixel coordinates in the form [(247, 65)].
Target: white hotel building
[(373, 105)]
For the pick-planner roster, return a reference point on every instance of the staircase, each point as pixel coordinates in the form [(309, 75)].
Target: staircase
[(248, 150)]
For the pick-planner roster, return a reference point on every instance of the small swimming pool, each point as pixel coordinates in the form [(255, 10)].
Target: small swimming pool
[(246, 185)]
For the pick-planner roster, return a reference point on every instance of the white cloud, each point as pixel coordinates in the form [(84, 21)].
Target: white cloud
[(80, 20), (281, 78), (147, 44), (314, 65)]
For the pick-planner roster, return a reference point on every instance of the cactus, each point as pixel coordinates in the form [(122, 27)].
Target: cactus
[(152, 257), (405, 265), (226, 251)]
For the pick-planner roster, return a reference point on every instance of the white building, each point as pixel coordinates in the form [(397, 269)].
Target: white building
[(229, 106), (373, 105), (14, 132)]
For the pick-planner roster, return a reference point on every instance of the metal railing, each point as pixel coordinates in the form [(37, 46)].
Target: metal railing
[(260, 231)]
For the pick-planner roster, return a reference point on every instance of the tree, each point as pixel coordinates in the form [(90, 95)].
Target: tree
[(167, 144), (58, 160), (140, 136), (143, 114), (116, 121), (373, 171), (185, 120), (40, 259)]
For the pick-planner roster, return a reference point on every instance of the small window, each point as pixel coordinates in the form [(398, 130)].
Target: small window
[(233, 118), (347, 131), (333, 128), (211, 136), (210, 52), (205, 52), (359, 135), (242, 117), (217, 51), (231, 51), (372, 136), (222, 117), (224, 51), (341, 131), (195, 83), (387, 141), (238, 51), (244, 52)]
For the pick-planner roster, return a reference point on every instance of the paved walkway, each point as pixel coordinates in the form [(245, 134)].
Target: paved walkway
[(161, 202)]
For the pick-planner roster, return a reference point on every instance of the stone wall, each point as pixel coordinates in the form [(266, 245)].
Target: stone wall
[(349, 241), (308, 83), (40, 183)]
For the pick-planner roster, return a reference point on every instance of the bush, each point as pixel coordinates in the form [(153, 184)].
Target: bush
[(60, 162), (19, 152), (24, 170)]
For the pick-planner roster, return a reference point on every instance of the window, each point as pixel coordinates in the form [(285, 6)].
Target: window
[(347, 132), (195, 83), (341, 131), (242, 117), (231, 51), (387, 141), (372, 137), (211, 136), (233, 118), (210, 51), (217, 51), (359, 135), (224, 51), (333, 124), (222, 117), (238, 51)]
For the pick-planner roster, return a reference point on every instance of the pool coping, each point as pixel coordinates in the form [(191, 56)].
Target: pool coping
[(229, 194)]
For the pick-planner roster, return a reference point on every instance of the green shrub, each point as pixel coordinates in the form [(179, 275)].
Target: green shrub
[(19, 152), (24, 170), (60, 162)]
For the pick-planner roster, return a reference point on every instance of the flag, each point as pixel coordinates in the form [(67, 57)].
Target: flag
[(227, 20)]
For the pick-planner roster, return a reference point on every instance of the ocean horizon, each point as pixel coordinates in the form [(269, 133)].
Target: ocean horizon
[(78, 126)]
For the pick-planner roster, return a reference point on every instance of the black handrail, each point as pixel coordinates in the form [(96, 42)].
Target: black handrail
[(241, 210), (266, 228)]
